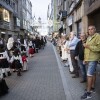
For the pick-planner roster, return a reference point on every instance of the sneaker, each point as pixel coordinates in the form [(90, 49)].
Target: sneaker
[(92, 90), (86, 95)]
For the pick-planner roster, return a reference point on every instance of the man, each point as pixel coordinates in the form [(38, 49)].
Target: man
[(79, 55), (72, 45), (92, 55)]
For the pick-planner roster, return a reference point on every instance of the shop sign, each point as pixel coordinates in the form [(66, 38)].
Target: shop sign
[(50, 23), (69, 20)]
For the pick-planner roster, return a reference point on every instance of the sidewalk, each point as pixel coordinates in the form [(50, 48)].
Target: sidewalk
[(76, 88)]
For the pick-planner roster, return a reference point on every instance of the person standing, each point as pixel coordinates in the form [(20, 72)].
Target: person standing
[(91, 57), (24, 60), (16, 62), (79, 56), (69, 62), (10, 45), (63, 47), (72, 44)]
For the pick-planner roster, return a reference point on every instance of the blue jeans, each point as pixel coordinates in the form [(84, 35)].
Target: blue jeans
[(91, 68), (83, 69)]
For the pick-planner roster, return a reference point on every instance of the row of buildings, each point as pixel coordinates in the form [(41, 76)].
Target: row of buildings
[(15, 17), (73, 15)]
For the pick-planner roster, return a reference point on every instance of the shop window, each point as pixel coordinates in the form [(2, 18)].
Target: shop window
[(6, 16)]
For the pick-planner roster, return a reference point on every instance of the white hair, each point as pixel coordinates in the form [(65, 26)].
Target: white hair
[(73, 33)]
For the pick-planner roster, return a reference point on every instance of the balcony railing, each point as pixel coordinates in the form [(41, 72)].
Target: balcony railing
[(4, 24)]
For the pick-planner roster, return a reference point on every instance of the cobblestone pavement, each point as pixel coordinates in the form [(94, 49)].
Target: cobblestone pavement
[(47, 79), (41, 82)]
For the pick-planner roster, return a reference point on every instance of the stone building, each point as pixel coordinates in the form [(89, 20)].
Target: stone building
[(77, 15), (25, 17), (92, 13), (8, 9), (15, 17)]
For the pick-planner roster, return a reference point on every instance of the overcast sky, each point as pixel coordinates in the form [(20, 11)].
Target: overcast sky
[(39, 8)]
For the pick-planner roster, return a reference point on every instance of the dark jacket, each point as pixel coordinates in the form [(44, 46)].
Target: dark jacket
[(79, 50)]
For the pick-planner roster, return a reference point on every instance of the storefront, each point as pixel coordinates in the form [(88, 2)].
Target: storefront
[(4, 22), (92, 11), (94, 19)]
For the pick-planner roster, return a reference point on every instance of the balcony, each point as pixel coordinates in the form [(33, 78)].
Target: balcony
[(4, 24), (63, 15)]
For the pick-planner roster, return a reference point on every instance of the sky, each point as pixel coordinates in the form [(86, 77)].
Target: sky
[(39, 8)]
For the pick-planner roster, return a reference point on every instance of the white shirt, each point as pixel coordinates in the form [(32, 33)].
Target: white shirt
[(4, 55), (16, 58)]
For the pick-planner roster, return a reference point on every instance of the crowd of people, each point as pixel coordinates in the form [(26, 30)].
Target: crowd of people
[(81, 55), (14, 56)]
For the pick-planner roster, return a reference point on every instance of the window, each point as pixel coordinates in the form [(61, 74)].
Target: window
[(6, 16), (13, 5), (8, 1)]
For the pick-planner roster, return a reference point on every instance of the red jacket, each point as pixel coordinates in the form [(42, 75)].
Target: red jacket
[(24, 59)]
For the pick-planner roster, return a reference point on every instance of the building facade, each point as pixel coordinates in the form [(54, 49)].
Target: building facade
[(15, 17), (92, 13), (7, 10), (52, 16), (26, 17), (77, 15)]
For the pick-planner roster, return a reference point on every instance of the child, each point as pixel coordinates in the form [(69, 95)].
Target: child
[(4, 59), (31, 50), (3, 66), (24, 60), (16, 61)]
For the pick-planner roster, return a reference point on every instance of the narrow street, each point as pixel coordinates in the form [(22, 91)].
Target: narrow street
[(41, 82), (46, 79)]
